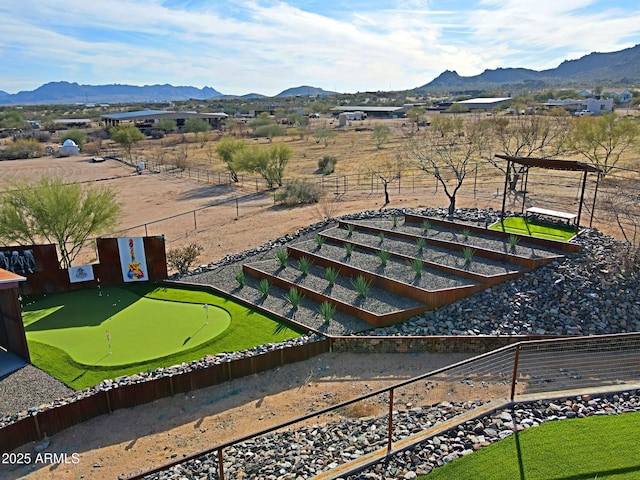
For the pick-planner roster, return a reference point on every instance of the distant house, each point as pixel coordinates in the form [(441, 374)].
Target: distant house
[(623, 96), (594, 105)]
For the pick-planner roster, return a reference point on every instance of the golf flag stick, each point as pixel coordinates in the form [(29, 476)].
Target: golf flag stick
[(206, 309)]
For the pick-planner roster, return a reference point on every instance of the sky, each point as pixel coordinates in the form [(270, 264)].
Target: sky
[(265, 46)]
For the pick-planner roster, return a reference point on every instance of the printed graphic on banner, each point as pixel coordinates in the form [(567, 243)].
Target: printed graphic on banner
[(132, 259), (83, 273)]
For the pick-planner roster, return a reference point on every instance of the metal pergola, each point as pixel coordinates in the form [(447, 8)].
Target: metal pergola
[(551, 164)]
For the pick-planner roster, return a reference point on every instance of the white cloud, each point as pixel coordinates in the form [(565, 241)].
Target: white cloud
[(265, 46)]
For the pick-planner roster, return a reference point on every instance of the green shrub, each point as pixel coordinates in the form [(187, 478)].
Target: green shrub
[(465, 234), (327, 164), (299, 192), (319, 241), (331, 275), (421, 242), (381, 237), (416, 265), (263, 287), (395, 221), (240, 279), (304, 265), (282, 257), (181, 258), (513, 241), (327, 311), (426, 226), (293, 298), (384, 257), (361, 286)]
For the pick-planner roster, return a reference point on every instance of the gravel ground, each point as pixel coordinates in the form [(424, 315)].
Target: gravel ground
[(27, 388)]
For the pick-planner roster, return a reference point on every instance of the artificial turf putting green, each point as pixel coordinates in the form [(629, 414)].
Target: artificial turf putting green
[(248, 329), (522, 226), (140, 328)]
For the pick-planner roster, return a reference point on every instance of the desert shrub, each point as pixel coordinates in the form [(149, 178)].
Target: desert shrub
[(467, 253), (182, 258), (327, 164), (240, 279), (348, 249), (299, 192), (421, 242), (319, 239), (25, 148)]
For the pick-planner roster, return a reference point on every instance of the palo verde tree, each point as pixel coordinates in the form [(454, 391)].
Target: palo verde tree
[(126, 136), (268, 162), (198, 127), (380, 134), (445, 150), (51, 211), (226, 149), (603, 139)]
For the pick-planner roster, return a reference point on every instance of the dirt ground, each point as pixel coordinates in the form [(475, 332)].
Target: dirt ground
[(137, 439)]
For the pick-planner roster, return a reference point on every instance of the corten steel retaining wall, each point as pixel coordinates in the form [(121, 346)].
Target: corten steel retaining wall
[(372, 318), (50, 278), (94, 404)]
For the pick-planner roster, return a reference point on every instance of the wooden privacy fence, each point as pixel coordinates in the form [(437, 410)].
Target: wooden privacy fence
[(100, 402)]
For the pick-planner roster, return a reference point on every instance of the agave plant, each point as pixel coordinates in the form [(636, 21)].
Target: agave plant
[(426, 226), (350, 229), (240, 279), (293, 298), (304, 265), (467, 253), (465, 234), (319, 241), (327, 311), (361, 286), (282, 256), (348, 249), (384, 256), (263, 287), (416, 265), (331, 275), (421, 242), (513, 241)]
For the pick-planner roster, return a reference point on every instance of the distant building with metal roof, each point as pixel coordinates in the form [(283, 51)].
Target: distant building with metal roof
[(482, 103), (380, 112), (149, 117)]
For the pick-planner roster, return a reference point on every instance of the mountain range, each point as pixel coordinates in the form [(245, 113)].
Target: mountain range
[(615, 68)]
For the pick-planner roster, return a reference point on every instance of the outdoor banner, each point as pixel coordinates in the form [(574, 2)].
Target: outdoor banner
[(132, 259), (82, 273)]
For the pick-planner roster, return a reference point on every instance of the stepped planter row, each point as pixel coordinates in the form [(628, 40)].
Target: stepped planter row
[(410, 269), (379, 308)]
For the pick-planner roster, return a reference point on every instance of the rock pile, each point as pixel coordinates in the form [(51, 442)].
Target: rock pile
[(308, 451)]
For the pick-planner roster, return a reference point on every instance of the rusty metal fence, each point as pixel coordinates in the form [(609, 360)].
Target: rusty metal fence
[(523, 372)]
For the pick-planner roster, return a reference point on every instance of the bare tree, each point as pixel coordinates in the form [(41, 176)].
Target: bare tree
[(525, 136), (388, 170), (445, 150)]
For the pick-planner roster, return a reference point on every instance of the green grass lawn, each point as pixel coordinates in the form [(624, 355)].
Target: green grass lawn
[(598, 447), (149, 327), (521, 226)]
